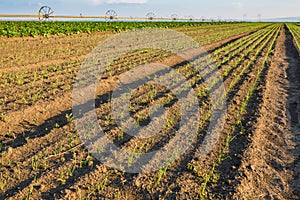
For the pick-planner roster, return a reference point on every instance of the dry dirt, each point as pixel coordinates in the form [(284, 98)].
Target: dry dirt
[(264, 162), (270, 167)]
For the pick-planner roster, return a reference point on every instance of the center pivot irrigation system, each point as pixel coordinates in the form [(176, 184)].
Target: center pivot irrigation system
[(46, 13)]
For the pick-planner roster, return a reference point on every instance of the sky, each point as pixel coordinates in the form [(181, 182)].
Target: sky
[(208, 9)]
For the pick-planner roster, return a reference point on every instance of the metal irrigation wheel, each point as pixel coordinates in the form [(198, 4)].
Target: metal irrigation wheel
[(111, 15), (150, 16), (174, 17), (191, 18), (46, 13)]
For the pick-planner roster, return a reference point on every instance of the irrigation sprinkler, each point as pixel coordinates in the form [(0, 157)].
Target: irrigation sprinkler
[(174, 17), (259, 17), (111, 15), (244, 17), (46, 13), (191, 17), (150, 15)]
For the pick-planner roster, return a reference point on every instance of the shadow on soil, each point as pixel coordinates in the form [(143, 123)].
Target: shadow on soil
[(49, 124), (228, 170), (293, 105)]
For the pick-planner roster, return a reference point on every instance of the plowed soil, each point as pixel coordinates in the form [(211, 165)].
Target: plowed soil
[(267, 165), (270, 165), (256, 157)]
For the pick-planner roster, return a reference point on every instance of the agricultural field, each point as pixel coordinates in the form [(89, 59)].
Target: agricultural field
[(256, 155)]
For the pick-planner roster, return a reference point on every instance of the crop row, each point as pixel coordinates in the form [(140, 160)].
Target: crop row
[(172, 120), (41, 83), (221, 35), (148, 144), (206, 111), (191, 31), (237, 127), (64, 163), (295, 30), (21, 29), (41, 50), (48, 81), (143, 146), (39, 86)]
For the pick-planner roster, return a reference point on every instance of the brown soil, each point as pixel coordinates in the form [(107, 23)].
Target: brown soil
[(265, 162)]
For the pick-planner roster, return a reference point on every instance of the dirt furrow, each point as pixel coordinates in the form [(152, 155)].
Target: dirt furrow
[(14, 118), (270, 164), (30, 126), (137, 184)]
